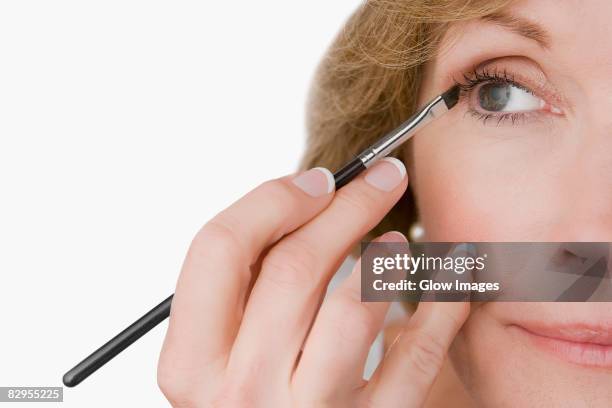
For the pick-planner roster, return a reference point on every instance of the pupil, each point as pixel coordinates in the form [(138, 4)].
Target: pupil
[(493, 97)]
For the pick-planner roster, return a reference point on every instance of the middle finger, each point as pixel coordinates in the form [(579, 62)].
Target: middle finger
[(295, 273)]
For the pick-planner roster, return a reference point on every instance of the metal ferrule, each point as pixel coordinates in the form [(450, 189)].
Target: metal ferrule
[(403, 132)]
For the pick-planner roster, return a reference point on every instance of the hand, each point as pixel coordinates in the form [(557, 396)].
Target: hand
[(248, 328)]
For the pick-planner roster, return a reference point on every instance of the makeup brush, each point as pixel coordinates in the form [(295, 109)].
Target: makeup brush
[(432, 110)]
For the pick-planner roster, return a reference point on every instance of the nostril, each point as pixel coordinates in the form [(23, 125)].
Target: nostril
[(586, 249)]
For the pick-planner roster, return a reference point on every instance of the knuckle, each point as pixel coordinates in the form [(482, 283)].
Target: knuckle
[(233, 395), (178, 392), (165, 378), (358, 200), (290, 265), (227, 400), (425, 353), (353, 320), (279, 195), (219, 238)]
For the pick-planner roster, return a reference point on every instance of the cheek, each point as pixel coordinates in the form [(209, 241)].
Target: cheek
[(495, 370), (473, 186), (496, 367)]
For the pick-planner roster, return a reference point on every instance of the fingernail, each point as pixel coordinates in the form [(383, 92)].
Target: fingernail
[(394, 242), (387, 174), (393, 236), (315, 182)]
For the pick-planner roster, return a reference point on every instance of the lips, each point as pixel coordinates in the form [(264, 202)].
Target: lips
[(583, 344)]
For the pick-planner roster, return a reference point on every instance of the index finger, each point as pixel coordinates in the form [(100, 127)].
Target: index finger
[(213, 284)]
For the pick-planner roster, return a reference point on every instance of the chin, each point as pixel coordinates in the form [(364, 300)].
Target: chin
[(537, 355)]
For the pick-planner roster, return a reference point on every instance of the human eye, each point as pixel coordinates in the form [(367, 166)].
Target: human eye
[(497, 95)]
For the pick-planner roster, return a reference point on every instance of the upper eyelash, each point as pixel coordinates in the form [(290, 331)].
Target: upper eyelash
[(477, 76)]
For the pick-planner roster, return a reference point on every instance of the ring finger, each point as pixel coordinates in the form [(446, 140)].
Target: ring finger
[(340, 340)]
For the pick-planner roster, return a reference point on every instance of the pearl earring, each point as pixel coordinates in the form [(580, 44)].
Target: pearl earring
[(416, 232)]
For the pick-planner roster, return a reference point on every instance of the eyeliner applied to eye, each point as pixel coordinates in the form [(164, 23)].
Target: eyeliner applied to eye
[(497, 94)]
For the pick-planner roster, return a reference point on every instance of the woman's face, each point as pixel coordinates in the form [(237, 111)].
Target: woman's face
[(525, 162)]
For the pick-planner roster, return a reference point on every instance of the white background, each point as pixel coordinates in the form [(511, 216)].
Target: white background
[(124, 126)]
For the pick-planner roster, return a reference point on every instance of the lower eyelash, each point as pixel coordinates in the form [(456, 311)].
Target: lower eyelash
[(476, 77), (513, 117)]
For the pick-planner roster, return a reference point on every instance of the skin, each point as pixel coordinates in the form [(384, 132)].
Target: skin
[(234, 337), (543, 179), (254, 335)]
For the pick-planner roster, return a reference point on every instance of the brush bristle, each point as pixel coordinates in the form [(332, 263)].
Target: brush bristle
[(451, 97)]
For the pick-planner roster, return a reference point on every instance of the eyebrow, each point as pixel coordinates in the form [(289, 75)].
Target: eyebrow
[(521, 26)]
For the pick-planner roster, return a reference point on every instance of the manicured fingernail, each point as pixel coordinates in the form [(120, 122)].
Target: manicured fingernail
[(316, 182), (393, 236), (387, 174)]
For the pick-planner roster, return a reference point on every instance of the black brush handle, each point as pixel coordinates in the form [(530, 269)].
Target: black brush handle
[(348, 172), (118, 343), (160, 312)]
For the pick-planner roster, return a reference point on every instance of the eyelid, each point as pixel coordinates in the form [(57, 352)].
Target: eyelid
[(484, 75), (525, 73)]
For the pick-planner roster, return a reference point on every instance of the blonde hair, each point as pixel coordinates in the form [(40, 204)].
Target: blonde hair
[(369, 79)]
